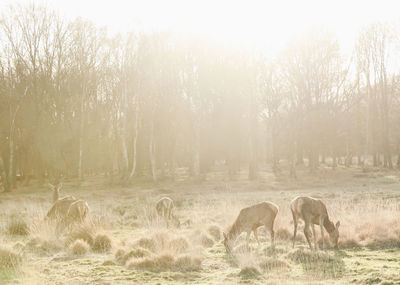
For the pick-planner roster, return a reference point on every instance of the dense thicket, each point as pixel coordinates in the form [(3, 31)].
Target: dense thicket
[(75, 101)]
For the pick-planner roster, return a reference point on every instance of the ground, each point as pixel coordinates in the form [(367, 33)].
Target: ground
[(144, 250)]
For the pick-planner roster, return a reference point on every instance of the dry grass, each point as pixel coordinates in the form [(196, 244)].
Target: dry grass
[(85, 232), (44, 238), (102, 243), (215, 232), (79, 247), (9, 258), (273, 263), (123, 256), (166, 262), (17, 226), (368, 221), (179, 245), (249, 272), (320, 264)]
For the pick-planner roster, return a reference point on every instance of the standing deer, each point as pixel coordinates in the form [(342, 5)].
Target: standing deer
[(313, 212), (164, 208), (60, 206), (249, 220)]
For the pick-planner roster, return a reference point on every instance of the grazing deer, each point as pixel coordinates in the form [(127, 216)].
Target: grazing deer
[(164, 208), (249, 220), (313, 212)]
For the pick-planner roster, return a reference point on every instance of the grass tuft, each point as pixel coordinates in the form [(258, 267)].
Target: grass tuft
[(249, 272), (17, 226), (79, 247), (102, 243), (179, 245), (9, 259)]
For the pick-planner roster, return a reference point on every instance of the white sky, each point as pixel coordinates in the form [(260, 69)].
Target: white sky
[(240, 23)]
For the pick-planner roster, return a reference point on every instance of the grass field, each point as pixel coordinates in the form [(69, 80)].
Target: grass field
[(124, 242)]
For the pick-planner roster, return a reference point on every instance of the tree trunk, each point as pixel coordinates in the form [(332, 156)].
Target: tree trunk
[(135, 137), (81, 134), (152, 152), (196, 155), (3, 175)]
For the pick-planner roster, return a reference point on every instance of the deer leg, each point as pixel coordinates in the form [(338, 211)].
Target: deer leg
[(321, 222), (307, 232), (295, 222), (314, 237), (256, 236), (248, 238)]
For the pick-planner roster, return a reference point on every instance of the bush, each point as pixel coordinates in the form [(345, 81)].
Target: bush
[(79, 247), (101, 243)]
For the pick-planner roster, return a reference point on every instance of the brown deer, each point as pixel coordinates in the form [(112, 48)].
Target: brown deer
[(313, 212), (164, 208), (77, 212), (249, 220), (60, 206)]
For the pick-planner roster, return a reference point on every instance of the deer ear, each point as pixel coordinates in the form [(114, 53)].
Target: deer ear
[(337, 224)]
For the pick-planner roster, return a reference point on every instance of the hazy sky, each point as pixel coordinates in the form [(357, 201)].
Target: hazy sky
[(240, 23)]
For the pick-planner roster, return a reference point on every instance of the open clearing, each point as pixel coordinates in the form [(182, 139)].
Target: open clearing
[(144, 250)]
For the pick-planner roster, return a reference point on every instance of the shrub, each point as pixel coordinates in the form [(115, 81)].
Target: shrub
[(101, 243), (79, 247)]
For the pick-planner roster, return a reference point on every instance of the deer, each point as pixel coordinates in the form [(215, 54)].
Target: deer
[(60, 206), (249, 220), (77, 212), (164, 208), (313, 212)]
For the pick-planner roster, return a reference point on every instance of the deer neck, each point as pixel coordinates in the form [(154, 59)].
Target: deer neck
[(328, 225), (55, 195), (234, 231)]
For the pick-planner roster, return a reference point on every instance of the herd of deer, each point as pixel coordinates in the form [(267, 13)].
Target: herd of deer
[(69, 210)]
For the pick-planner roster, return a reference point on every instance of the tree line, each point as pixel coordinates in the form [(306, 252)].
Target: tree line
[(75, 101)]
